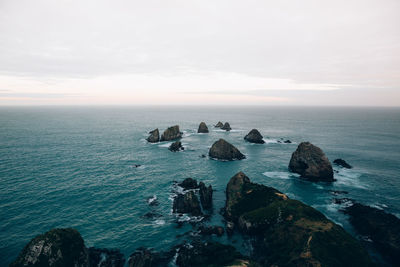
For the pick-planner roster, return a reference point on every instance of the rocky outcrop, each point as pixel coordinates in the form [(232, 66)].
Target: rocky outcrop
[(342, 163), (254, 136), (211, 230), (176, 146), (187, 203), (219, 125), (287, 142), (294, 234), (57, 247), (226, 127), (189, 183), (380, 227), (144, 257), (205, 195), (223, 150), (172, 133), (102, 257), (154, 136), (202, 128), (311, 163)]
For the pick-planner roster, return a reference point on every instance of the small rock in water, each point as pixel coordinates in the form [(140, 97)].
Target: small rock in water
[(171, 133), (219, 125), (187, 203), (206, 196), (287, 142), (203, 156), (137, 165), (176, 146), (223, 150), (102, 257), (202, 128), (189, 183), (254, 136), (342, 163), (226, 127), (154, 136)]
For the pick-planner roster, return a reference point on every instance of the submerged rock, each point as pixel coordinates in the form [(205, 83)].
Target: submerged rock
[(206, 196), (57, 247), (226, 127), (189, 183), (187, 203), (202, 128), (287, 142), (176, 146), (311, 163), (343, 163), (171, 133), (102, 257), (381, 227), (211, 230), (219, 125), (223, 150), (254, 136), (293, 233), (154, 136)]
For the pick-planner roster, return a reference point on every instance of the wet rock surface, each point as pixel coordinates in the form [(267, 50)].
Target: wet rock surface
[(101, 257), (176, 146), (154, 136), (189, 183), (206, 194), (187, 203), (254, 136), (202, 128), (226, 127), (311, 163), (223, 150), (219, 125), (342, 163), (172, 133), (144, 257)]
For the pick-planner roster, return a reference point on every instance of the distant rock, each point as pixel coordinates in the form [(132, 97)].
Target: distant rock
[(187, 203), (293, 233), (343, 163), (202, 128), (136, 165), (211, 230), (226, 127), (189, 183), (381, 227), (254, 136), (154, 136), (171, 133), (176, 146), (311, 163), (287, 142), (102, 257), (57, 247), (206, 196), (223, 150), (219, 125), (203, 156)]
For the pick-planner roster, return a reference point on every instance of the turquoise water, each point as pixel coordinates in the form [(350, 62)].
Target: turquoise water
[(74, 166)]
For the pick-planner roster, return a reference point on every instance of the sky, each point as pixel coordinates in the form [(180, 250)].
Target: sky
[(192, 52)]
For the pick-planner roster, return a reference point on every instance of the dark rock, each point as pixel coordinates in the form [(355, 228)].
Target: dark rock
[(293, 233), (219, 125), (154, 136), (211, 230), (187, 203), (137, 165), (311, 163), (226, 127), (338, 192), (381, 227), (151, 215), (176, 146), (343, 163), (144, 257), (57, 247), (254, 136), (189, 183), (202, 128), (102, 257), (171, 133), (210, 254), (225, 151), (206, 196), (203, 156), (287, 142), (341, 201)]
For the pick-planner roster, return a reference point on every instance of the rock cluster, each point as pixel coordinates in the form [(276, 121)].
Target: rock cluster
[(154, 136), (176, 146), (172, 133), (223, 150), (311, 163), (342, 163), (202, 128), (254, 136)]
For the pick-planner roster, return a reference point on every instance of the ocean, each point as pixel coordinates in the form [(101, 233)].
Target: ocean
[(75, 167)]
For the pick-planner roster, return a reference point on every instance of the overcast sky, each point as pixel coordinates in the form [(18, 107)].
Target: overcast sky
[(341, 52)]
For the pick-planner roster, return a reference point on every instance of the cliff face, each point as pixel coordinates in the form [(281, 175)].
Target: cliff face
[(286, 232)]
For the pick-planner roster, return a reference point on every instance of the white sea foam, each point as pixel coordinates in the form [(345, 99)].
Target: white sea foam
[(152, 199), (165, 144), (281, 175), (349, 177), (159, 222)]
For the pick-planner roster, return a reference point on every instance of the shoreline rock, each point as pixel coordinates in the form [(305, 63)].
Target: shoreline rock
[(154, 136), (202, 128), (172, 133), (342, 163), (254, 136), (223, 150), (311, 163)]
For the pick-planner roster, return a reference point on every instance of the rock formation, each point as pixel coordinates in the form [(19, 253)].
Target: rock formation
[(211, 230), (171, 133), (206, 196), (154, 136), (226, 127), (294, 234), (187, 203), (143, 257), (311, 163), (189, 183), (381, 227), (343, 163), (219, 125), (254, 136), (202, 128), (176, 146), (102, 257), (223, 150)]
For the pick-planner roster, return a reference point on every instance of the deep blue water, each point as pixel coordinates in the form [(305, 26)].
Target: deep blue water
[(73, 166)]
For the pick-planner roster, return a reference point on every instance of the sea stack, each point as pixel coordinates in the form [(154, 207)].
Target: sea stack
[(223, 150), (202, 128), (226, 127), (171, 133), (311, 163), (176, 146), (205, 196), (219, 125), (342, 163), (154, 136), (254, 136), (187, 203)]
